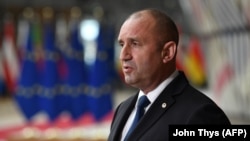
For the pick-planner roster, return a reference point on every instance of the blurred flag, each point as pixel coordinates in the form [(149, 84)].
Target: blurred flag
[(194, 63), (62, 44), (108, 41), (101, 75), (22, 35), (49, 74), (223, 78), (224, 71), (26, 94), (10, 63), (76, 78)]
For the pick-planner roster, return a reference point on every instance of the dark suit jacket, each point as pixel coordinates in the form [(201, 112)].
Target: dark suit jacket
[(185, 105)]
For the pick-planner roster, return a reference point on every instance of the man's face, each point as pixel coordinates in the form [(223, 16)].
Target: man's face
[(140, 56)]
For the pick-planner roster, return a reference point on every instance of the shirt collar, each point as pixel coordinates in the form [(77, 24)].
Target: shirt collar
[(152, 95)]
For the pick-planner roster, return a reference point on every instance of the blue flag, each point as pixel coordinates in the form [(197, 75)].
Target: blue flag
[(76, 78), (49, 96), (26, 95), (62, 99), (101, 75)]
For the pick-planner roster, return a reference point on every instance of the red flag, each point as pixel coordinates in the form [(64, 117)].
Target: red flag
[(223, 76), (10, 63)]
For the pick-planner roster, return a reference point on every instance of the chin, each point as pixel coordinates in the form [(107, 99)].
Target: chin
[(129, 81)]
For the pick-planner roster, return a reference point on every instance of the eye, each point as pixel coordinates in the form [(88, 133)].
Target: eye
[(135, 43), (121, 44)]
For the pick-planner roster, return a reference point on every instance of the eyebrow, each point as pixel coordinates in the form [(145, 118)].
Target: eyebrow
[(131, 39)]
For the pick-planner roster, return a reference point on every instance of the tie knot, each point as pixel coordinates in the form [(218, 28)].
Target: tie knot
[(143, 102)]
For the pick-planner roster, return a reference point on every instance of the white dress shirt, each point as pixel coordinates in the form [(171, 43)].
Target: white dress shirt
[(152, 95)]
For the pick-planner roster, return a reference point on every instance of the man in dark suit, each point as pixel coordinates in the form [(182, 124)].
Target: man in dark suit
[(149, 40)]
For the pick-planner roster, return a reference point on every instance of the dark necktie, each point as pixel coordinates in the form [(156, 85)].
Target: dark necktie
[(142, 104)]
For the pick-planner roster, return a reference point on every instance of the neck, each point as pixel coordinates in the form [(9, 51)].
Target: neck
[(154, 85)]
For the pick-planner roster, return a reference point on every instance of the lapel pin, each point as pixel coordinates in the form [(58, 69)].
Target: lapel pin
[(164, 105)]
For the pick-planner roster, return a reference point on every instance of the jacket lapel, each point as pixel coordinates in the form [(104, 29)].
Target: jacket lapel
[(124, 110), (160, 106)]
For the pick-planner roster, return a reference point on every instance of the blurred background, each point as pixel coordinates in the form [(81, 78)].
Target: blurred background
[(60, 77)]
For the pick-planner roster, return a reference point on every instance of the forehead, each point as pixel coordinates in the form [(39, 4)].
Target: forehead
[(133, 26)]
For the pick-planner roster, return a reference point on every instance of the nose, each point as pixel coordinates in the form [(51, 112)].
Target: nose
[(125, 53)]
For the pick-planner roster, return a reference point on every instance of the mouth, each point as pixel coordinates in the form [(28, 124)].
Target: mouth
[(127, 69)]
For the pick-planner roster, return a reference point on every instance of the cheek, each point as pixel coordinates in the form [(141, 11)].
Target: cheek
[(147, 61), (150, 64), (144, 64)]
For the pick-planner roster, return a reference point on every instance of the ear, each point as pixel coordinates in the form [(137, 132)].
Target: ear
[(169, 51)]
